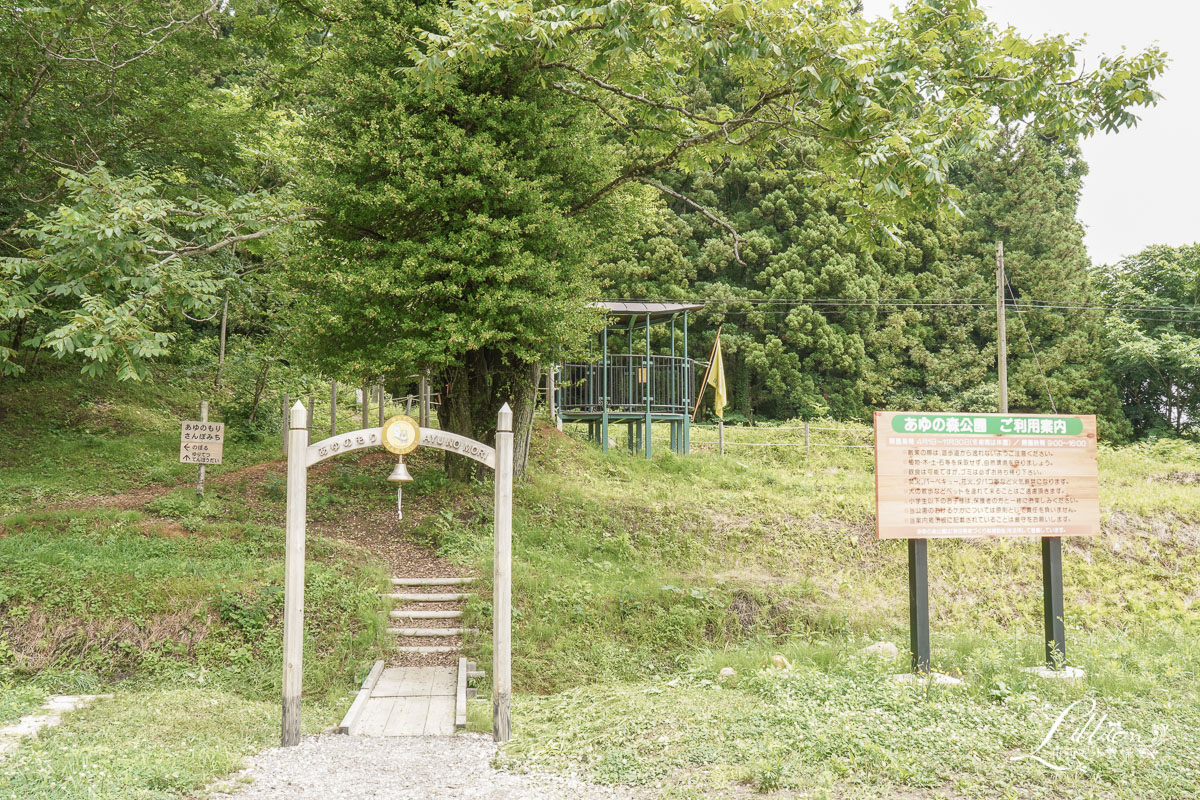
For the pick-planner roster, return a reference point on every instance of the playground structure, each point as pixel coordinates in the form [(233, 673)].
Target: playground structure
[(636, 388)]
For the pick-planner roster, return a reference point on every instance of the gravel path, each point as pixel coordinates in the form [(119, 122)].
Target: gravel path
[(430, 768)]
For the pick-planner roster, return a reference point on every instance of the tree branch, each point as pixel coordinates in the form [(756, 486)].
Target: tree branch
[(708, 214)]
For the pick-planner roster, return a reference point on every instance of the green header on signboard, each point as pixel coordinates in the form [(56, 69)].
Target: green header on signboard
[(992, 425)]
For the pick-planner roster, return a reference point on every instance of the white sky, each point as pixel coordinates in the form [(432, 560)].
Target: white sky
[(1141, 188)]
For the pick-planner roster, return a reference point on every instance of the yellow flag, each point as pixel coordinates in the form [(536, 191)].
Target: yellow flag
[(716, 378)]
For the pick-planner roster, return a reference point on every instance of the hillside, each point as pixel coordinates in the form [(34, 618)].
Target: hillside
[(634, 583)]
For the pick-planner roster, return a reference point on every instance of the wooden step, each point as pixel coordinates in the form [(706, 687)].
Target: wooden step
[(419, 614), (430, 581), (423, 632), (446, 597), (428, 649)]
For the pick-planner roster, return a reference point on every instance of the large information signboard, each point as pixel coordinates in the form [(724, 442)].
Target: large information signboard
[(963, 475)]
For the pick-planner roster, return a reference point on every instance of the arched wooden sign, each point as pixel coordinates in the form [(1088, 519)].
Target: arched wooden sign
[(373, 437), (301, 456)]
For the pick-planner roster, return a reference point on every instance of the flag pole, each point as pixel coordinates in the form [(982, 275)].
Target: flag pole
[(703, 383)]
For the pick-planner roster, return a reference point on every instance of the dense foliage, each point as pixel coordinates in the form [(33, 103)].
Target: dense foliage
[(1154, 355), (371, 190)]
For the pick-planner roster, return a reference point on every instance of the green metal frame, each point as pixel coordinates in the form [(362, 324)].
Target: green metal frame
[(639, 424)]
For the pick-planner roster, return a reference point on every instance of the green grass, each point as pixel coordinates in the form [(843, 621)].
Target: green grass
[(835, 726), (173, 605), (149, 744), (635, 581), (67, 436), (623, 565), (17, 701)]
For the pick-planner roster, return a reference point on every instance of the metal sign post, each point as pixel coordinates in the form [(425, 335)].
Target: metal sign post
[(1052, 598), (918, 603)]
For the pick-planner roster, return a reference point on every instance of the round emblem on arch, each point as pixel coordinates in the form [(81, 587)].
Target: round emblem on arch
[(401, 434)]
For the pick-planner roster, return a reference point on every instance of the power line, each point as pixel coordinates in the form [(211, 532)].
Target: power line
[(953, 302)]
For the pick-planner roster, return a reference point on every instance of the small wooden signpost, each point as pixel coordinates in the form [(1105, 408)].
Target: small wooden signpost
[(984, 475), (201, 441)]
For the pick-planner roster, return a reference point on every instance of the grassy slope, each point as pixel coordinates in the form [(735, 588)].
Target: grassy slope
[(171, 604), (635, 582)]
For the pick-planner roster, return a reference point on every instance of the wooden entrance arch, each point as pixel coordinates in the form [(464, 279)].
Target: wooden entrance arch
[(301, 456)]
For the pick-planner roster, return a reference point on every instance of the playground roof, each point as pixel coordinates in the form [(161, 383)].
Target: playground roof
[(637, 309)]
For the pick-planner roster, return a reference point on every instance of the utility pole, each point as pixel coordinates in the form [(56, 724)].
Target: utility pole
[(1001, 331)]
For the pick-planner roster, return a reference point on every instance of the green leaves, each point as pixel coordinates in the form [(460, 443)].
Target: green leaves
[(894, 101), (109, 268), (1153, 346)]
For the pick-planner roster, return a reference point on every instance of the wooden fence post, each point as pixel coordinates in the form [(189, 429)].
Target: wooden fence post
[(502, 579), (424, 392), (200, 480), (366, 405), (381, 409), (286, 403), (310, 416), (806, 447), (333, 408), (293, 575)]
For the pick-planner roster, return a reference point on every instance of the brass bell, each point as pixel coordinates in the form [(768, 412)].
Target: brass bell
[(400, 473)]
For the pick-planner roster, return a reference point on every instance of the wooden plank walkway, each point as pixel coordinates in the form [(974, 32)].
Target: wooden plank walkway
[(410, 701)]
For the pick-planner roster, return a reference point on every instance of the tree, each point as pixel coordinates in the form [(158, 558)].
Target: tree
[(446, 244), (101, 274), (1154, 339), (688, 87), (1024, 192), (893, 101), (115, 111)]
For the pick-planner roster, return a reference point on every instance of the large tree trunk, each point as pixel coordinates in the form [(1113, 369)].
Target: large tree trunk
[(473, 397)]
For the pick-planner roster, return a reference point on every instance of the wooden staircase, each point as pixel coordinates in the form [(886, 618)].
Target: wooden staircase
[(424, 692), (431, 612)]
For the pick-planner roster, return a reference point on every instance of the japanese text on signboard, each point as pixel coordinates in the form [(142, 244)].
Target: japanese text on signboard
[(962, 475)]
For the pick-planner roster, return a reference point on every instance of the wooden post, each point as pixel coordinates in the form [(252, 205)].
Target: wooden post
[(381, 408), (1001, 331), (293, 575), (333, 408), (502, 579), (311, 405), (366, 405), (200, 480), (424, 392), (286, 403), (806, 447), (721, 434)]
